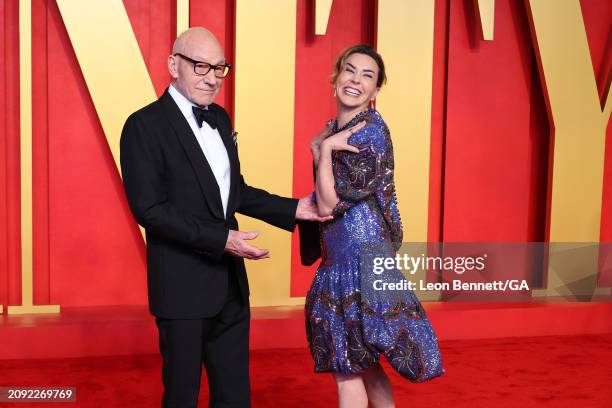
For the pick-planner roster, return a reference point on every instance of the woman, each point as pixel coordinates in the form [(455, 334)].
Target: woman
[(347, 330)]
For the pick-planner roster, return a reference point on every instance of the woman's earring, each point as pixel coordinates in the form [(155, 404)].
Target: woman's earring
[(371, 103), (335, 92)]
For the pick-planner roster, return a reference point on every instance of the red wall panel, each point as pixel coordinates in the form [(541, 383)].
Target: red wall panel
[(3, 162), (438, 122), (496, 130), (10, 273), (40, 154)]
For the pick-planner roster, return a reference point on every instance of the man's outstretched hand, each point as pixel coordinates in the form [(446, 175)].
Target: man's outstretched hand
[(238, 246), (307, 211)]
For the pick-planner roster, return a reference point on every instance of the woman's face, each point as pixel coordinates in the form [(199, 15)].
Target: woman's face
[(356, 84)]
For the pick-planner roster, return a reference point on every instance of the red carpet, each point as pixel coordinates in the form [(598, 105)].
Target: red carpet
[(559, 371)]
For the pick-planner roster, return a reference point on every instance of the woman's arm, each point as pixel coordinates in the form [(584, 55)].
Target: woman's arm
[(327, 199), (315, 144), (324, 186)]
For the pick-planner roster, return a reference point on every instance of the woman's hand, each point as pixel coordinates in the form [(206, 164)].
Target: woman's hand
[(339, 141), (315, 143), (327, 198)]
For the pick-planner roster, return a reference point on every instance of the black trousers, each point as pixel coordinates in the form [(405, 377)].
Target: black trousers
[(220, 342)]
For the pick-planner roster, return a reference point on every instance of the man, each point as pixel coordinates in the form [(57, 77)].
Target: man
[(182, 178)]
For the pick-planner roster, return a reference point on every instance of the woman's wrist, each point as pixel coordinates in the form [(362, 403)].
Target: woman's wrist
[(325, 156), (325, 149)]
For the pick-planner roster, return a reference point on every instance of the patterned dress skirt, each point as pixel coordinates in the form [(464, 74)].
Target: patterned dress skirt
[(347, 334)]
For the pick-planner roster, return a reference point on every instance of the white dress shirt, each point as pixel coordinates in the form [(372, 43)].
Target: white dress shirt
[(211, 144)]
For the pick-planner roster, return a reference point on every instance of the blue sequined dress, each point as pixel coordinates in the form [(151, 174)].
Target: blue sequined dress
[(347, 332)]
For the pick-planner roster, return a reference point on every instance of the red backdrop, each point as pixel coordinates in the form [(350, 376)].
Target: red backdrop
[(489, 141)]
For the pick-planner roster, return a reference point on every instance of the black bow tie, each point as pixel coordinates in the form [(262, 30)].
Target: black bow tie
[(205, 115)]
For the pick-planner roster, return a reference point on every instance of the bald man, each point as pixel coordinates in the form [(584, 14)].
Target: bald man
[(182, 179)]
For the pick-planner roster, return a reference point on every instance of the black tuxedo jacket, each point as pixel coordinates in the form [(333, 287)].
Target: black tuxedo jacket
[(173, 194)]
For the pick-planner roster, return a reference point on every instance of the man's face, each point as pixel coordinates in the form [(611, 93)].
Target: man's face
[(199, 89)]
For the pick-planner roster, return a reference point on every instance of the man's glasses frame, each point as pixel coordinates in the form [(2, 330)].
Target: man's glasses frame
[(202, 68)]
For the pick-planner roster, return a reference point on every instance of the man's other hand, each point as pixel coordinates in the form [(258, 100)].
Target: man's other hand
[(237, 245)]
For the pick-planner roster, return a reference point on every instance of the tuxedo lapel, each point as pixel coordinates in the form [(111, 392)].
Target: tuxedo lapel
[(200, 165)]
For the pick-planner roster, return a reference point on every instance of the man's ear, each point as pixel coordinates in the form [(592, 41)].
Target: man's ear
[(172, 68)]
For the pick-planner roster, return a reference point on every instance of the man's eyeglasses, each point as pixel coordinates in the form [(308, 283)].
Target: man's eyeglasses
[(202, 68)]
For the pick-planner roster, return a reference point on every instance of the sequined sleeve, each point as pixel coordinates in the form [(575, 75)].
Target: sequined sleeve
[(358, 175)]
